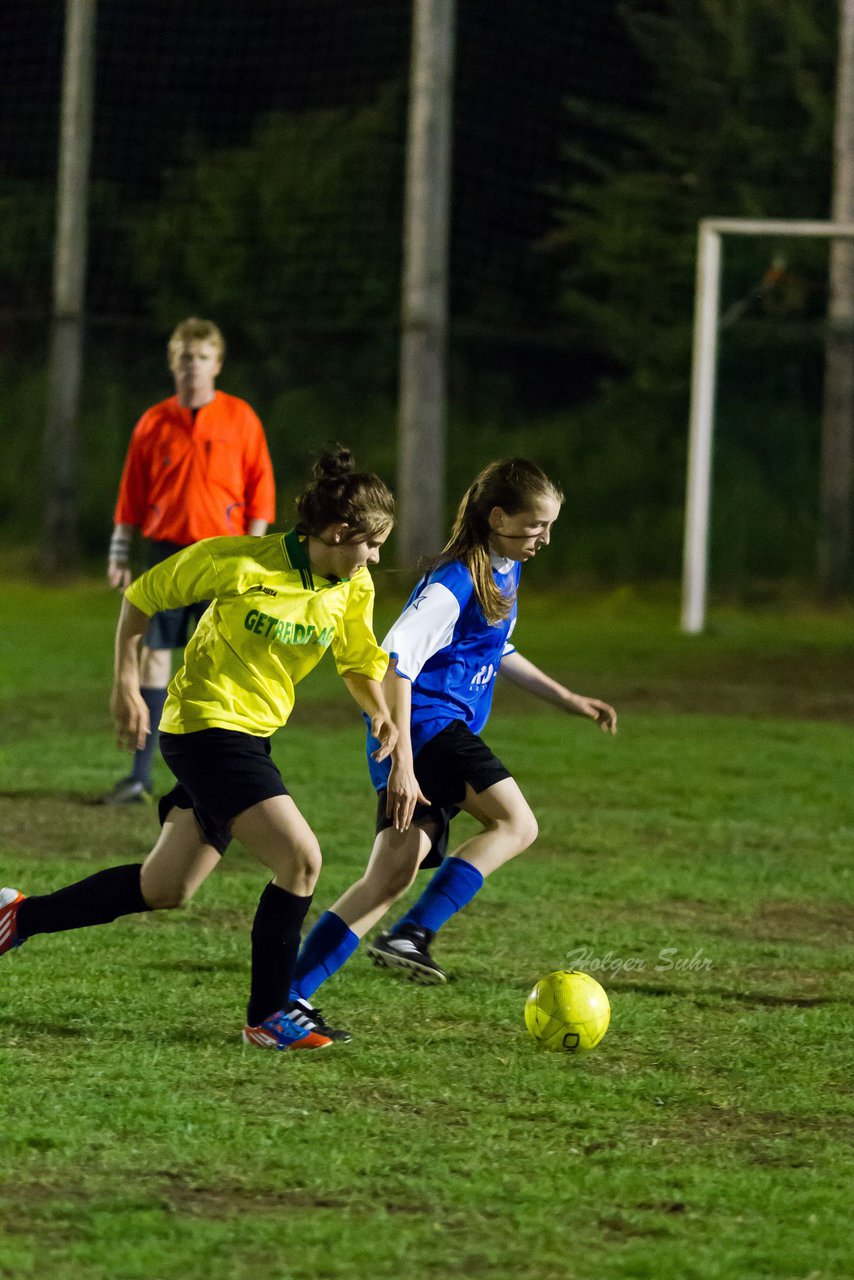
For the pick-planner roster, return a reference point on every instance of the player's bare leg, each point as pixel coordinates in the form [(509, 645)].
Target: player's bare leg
[(508, 827), (392, 867), (178, 864)]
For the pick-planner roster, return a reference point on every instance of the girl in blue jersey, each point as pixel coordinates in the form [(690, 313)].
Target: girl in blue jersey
[(446, 649)]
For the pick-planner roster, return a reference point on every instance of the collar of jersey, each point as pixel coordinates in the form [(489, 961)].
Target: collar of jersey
[(501, 564), (298, 556)]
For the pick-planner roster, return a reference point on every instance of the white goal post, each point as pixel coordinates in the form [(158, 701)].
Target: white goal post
[(703, 379)]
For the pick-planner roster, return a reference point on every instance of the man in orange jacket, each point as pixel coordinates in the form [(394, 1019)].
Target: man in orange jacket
[(197, 467)]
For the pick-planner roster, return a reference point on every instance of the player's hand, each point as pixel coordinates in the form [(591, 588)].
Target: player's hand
[(118, 574), (386, 732), (604, 715), (403, 795), (131, 718)]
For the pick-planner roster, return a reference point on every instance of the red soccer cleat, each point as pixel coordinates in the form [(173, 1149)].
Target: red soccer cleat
[(10, 900)]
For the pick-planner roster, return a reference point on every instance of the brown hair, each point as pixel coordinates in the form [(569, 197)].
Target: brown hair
[(512, 484), (195, 330), (338, 493)]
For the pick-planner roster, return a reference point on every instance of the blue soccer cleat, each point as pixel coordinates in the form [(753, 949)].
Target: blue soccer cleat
[(281, 1032)]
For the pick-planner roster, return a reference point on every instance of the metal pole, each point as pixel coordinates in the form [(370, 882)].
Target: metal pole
[(706, 308), (424, 318), (837, 432), (703, 378), (69, 283)]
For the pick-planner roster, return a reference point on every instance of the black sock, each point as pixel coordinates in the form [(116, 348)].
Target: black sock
[(96, 900), (275, 945), (143, 761)]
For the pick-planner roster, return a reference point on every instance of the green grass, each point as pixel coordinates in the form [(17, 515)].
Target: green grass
[(700, 864)]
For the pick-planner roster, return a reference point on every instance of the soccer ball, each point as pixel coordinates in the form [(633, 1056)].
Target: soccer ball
[(567, 1011)]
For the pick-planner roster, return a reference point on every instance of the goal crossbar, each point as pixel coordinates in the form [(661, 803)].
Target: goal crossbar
[(703, 384)]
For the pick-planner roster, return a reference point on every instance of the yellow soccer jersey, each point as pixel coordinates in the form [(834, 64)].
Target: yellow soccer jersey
[(268, 625)]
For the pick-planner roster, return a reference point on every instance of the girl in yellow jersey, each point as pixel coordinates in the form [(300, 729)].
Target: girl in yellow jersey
[(277, 604)]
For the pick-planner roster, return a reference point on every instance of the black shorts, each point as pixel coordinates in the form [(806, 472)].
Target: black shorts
[(443, 767), (171, 628), (220, 773)]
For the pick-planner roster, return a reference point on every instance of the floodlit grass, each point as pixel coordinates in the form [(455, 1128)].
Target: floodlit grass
[(700, 865)]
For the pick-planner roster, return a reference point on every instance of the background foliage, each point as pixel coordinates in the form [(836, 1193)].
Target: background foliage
[(254, 172)]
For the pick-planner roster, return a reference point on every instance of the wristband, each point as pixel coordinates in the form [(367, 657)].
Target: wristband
[(119, 547)]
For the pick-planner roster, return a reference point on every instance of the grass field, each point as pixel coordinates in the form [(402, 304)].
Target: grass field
[(700, 865)]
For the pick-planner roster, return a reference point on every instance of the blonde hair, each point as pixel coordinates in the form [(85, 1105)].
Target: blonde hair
[(195, 330), (338, 493), (513, 484)]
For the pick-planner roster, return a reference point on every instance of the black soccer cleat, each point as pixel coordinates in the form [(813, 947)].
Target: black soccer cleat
[(306, 1015), (407, 952)]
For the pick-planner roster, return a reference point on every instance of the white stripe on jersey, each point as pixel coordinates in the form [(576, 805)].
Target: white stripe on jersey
[(424, 627)]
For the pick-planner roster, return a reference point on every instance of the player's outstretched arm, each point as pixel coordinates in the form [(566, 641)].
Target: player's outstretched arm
[(129, 711), (523, 673)]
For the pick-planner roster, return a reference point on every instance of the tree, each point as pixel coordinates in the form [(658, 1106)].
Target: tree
[(735, 119), (294, 236)]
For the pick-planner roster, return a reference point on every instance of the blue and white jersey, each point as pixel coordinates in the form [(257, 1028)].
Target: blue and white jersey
[(444, 645)]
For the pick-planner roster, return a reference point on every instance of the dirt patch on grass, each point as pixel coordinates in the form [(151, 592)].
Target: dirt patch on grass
[(751, 996), (787, 921), (758, 1131), (803, 683), (821, 922), (230, 1200), (711, 696), (679, 913), (175, 1193), (34, 715), (58, 824)]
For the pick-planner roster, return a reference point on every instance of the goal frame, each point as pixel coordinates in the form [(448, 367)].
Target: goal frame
[(704, 360)]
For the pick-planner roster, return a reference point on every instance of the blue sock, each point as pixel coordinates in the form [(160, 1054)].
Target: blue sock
[(155, 700), (451, 888), (322, 953)]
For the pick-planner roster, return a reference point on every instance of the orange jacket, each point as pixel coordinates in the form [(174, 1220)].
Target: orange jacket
[(184, 480)]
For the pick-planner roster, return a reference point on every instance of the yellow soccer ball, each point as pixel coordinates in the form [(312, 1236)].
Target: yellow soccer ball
[(567, 1011)]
